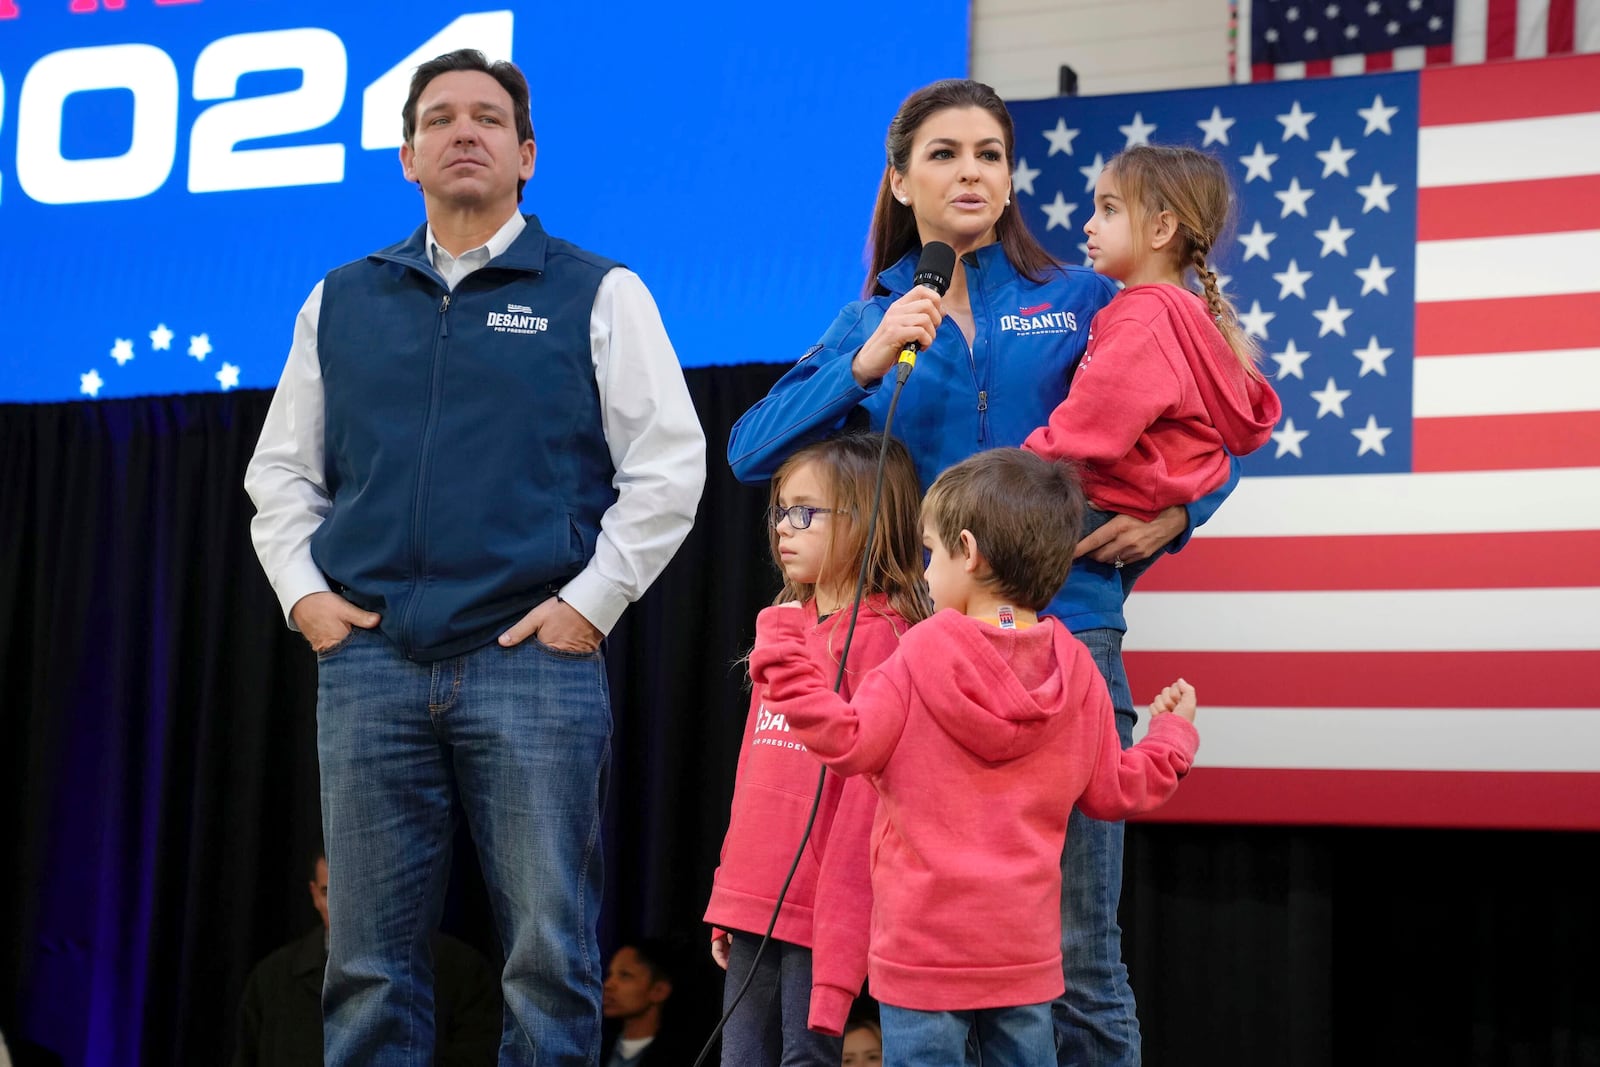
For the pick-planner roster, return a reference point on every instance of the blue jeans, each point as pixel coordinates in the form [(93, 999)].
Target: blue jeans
[(768, 1029), (1095, 1020), (1004, 1037), (523, 736)]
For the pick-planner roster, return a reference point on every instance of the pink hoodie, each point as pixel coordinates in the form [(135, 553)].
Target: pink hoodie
[(1158, 397), (828, 906), (979, 742)]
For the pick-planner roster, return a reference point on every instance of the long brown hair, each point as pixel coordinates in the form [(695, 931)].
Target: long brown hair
[(894, 225), (848, 465), (1194, 186)]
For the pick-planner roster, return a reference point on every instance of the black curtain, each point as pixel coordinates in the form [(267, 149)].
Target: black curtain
[(158, 788)]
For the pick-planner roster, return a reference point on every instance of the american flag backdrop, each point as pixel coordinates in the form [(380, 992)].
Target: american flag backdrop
[(1395, 620), (1279, 39)]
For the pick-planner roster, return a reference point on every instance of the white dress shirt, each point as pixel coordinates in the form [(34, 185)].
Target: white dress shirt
[(650, 426)]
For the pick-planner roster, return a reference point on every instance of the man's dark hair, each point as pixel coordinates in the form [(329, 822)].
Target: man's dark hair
[(656, 953), (502, 71)]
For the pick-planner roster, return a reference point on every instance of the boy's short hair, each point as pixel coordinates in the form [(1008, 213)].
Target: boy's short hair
[(1024, 511)]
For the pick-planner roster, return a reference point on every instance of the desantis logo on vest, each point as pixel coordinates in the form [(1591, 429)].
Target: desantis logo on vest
[(1039, 319), (517, 318)]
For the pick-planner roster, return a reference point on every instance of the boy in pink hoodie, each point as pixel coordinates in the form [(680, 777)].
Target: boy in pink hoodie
[(980, 734)]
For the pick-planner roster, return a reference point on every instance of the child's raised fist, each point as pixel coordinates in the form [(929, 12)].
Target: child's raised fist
[(1177, 698)]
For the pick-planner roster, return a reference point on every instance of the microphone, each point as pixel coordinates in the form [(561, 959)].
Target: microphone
[(934, 267)]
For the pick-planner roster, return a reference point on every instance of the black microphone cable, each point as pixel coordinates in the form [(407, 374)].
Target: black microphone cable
[(934, 268)]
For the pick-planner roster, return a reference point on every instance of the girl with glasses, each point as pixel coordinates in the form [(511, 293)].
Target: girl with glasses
[(815, 965)]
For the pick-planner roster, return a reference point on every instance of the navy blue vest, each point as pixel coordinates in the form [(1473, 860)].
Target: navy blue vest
[(465, 453)]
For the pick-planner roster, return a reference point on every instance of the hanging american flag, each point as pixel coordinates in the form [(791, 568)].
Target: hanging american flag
[(1281, 39), (1396, 618)]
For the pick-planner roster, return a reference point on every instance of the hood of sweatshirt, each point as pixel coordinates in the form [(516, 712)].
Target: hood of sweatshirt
[(1243, 407), (999, 693)]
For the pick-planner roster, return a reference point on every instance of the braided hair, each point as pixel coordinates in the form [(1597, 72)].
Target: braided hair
[(1194, 186)]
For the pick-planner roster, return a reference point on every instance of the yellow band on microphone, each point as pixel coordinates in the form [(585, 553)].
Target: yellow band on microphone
[(908, 355)]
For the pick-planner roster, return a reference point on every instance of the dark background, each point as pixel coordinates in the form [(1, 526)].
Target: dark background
[(158, 795)]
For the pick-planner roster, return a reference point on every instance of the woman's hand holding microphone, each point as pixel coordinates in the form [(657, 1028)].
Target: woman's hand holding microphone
[(913, 319)]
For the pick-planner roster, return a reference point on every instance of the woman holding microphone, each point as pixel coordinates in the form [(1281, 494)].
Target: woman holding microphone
[(997, 354)]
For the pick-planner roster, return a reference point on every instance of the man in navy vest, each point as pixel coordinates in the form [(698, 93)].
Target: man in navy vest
[(480, 452)]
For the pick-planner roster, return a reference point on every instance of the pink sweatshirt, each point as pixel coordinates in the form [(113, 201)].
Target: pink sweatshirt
[(979, 742), (1158, 397), (828, 906)]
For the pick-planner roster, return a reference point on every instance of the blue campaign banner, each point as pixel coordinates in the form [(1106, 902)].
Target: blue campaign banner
[(175, 175)]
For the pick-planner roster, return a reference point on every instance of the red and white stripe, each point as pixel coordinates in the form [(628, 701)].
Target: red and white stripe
[(1508, 266), (1424, 649), (1484, 30)]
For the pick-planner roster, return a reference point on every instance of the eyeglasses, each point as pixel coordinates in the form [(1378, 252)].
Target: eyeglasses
[(799, 515)]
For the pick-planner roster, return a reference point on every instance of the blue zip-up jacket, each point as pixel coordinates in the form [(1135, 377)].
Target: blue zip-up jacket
[(466, 456), (961, 399)]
